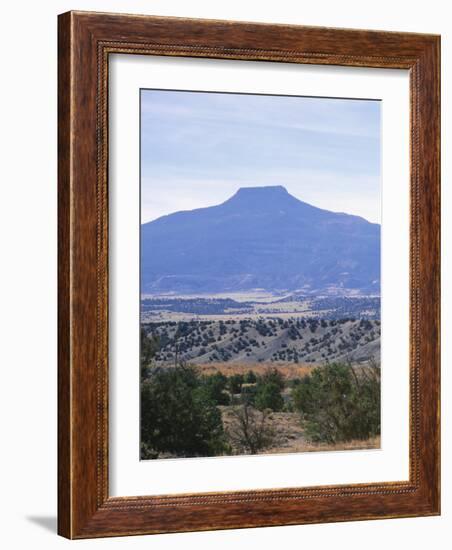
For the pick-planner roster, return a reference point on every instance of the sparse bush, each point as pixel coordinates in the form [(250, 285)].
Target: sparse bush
[(248, 394), (250, 430)]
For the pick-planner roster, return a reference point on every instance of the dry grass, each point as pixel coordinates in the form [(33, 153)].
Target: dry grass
[(288, 370), (354, 445), (303, 446)]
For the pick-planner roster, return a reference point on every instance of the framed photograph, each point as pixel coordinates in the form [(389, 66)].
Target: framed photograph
[(248, 275)]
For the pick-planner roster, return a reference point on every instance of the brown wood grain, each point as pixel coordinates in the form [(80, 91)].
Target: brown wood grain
[(85, 42), (64, 295)]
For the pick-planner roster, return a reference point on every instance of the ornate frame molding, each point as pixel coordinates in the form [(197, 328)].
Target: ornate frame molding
[(85, 42)]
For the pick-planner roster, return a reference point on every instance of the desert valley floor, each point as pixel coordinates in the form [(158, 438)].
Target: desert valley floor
[(240, 342)]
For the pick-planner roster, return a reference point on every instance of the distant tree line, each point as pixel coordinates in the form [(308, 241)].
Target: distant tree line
[(196, 306)]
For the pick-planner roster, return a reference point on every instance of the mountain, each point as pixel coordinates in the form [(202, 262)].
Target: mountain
[(262, 237)]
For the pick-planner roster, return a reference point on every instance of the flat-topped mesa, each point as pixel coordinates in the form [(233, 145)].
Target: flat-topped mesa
[(262, 237), (268, 192), (271, 196), (274, 190)]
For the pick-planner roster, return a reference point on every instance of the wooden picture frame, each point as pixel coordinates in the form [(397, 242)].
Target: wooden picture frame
[(86, 40)]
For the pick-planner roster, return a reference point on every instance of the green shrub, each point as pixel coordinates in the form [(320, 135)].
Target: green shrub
[(149, 346), (235, 383), (338, 402), (215, 386), (178, 415), (268, 396), (273, 376), (250, 377)]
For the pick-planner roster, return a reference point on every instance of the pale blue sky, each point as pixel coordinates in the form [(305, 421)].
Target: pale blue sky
[(198, 148)]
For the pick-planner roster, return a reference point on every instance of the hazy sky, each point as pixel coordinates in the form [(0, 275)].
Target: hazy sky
[(198, 148)]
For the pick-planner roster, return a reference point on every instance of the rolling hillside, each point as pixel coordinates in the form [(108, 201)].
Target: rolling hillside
[(266, 340)]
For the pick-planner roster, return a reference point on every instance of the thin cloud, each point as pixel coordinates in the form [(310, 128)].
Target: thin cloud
[(199, 148)]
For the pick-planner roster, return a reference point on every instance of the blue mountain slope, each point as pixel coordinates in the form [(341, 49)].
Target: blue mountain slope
[(262, 237)]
